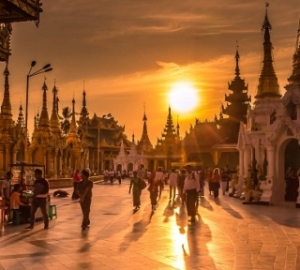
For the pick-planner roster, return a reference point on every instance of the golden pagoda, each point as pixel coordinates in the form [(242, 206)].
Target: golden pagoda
[(268, 83)]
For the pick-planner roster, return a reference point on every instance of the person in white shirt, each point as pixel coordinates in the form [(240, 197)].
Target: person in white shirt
[(191, 188), (159, 176), (141, 171), (173, 178)]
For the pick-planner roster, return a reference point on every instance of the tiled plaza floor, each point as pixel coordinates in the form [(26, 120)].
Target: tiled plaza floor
[(227, 235)]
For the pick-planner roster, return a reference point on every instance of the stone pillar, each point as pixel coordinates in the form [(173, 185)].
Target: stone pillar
[(247, 159), (1, 159), (215, 155), (60, 167), (271, 160), (78, 160), (267, 186), (50, 162), (7, 157), (55, 165), (14, 157), (241, 173), (257, 152)]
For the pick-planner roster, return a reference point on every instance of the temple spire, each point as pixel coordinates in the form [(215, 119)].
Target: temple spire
[(44, 119), (73, 127), (145, 144), (36, 120), (295, 77), (237, 58), (21, 122), (145, 131), (6, 105), (169, 128), (268, 83), (84, 112), (54, 122)]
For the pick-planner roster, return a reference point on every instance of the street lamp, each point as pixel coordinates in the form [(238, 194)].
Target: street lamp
[(44, 69)]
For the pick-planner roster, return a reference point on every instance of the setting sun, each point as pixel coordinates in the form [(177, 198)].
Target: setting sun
[(183, 97)]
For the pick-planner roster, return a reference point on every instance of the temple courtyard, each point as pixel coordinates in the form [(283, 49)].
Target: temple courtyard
[(226, 235)]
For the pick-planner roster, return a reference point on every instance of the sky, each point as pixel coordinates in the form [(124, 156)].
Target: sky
[(127, 54)]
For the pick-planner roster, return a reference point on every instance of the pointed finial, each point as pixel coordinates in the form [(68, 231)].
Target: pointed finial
[(44, 87), (237, 58), (145, 117), (266, 25)]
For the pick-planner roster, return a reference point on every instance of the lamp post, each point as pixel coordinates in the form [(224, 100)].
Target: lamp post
[(98, 149), (44, 69)]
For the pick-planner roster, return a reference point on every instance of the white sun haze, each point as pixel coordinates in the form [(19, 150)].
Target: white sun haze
[(183, 97)]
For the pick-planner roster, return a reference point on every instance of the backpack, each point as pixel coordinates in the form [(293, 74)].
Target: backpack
[(142, 184)]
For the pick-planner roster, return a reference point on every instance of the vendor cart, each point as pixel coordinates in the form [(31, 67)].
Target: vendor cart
[(24, 173)]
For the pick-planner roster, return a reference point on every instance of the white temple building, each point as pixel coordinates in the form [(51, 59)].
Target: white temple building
[(270, 139), (129, 161)]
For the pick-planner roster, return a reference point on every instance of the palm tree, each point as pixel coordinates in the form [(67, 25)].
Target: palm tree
[(65, 123)]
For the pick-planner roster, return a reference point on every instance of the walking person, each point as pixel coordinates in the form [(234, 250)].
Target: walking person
[(84, 192), (208, 175), (202, 181), (180, 185), (119, 177), (40, 194), (159, 176), (76, 180), (215, 182), (153, 190), (136, 191), (225, 177), (173, 178), (191, 189)]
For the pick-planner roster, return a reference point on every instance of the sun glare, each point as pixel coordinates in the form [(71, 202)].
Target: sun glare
[(183, 97)]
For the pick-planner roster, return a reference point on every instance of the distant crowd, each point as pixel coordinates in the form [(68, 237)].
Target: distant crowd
[(185, 185)]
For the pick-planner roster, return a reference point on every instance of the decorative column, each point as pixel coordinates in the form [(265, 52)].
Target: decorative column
[(247, 158), (270, 158), (55, 164), (1, 159), (7, 157), (14, 157), (257, 151), (241, 173), (266, 186)]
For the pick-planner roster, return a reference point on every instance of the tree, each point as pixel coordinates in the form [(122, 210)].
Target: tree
[(65, 123)]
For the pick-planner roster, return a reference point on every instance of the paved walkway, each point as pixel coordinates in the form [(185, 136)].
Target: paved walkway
[(227, 235)]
